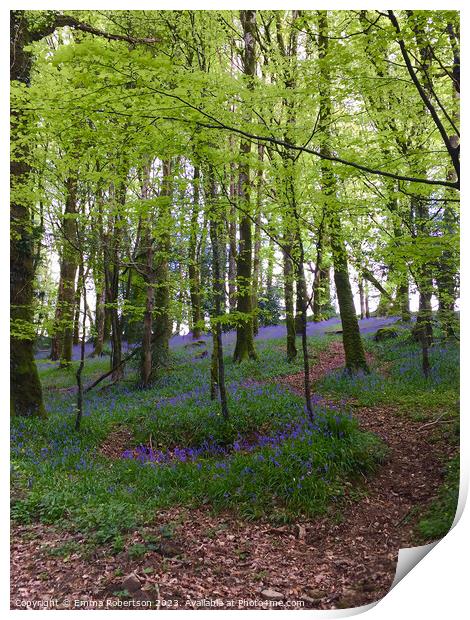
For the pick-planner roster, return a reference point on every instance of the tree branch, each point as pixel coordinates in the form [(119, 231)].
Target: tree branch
[(453, 151)]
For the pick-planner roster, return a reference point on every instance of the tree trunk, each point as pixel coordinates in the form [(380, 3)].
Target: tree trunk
[(232, 238), (361, 297), (352, 342), (162, 326), (366, 295), (244, 348), (99, 322), (289, 298), (404, 299), (257, 246), (218, 370), (62, 341), (147, 238), (78, 297), (301, 294), (270, 267), (112, 268), (193, 265), (317, 277), (303, 305), (25, 386)]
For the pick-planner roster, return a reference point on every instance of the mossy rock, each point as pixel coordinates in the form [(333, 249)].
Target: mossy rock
[(385, 333)]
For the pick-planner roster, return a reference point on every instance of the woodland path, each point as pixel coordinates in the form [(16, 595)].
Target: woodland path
[(341, 560)]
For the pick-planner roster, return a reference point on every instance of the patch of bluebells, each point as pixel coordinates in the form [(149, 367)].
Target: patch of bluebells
[(404, 373), (62, 448), (328, 422)]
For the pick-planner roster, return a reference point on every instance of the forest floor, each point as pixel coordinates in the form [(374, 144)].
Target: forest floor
[(187, 556)]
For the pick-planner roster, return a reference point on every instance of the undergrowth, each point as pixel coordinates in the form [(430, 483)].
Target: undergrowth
[(269, 460)]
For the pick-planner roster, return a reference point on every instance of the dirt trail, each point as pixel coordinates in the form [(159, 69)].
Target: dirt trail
[(325, 564)]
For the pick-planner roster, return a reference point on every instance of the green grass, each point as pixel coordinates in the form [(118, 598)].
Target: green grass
[(438, 519), (284, 469), (396, 377)]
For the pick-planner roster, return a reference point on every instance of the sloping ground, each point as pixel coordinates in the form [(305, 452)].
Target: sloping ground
[(343, 560), (265, 333)]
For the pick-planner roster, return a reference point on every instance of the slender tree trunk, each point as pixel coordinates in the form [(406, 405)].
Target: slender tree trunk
[(317, 277), (112, 269), (270, 267), (82, 355), (361, 297), (301, 294), (366, 295), (232, 238), (257, 246), (218, 368), (214, 364), (62, 341), (147, 238), (193, 266), (303, 304), (78, 296), (162, 327)]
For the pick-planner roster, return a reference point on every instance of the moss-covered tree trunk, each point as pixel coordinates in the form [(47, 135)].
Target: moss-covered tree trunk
[(244, 347), (352, 342), (403, 294), (288, 269), (62, 340), (99, 322), (25, 387)]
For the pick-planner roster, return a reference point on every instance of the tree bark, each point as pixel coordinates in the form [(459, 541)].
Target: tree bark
[(99, 321), (361, 297), (218, 369), (162, 325), (244, 347), (257, 244), (77, 302), (352, 342), (147, 239), (289, 298), (62, 342), (193, 265), (25, 386)]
